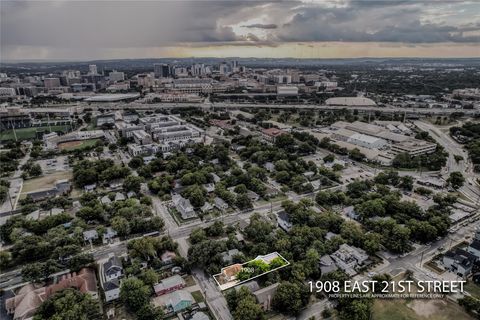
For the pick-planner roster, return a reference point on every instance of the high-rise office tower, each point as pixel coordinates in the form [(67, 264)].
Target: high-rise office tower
[(161, 70), (92, 69)]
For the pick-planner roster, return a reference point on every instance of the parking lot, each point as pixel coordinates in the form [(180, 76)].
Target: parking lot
[(56, 164)]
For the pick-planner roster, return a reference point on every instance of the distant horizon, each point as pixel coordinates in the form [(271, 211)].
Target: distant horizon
[(13, 61)]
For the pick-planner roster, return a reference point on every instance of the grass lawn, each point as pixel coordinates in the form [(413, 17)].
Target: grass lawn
[(420, 309), (29, 133), (91, 125), (44, 182), (198, 296), (473, 288), (189, 281)]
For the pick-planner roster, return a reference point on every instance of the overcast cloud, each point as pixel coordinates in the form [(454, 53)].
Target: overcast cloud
[(96, 29)]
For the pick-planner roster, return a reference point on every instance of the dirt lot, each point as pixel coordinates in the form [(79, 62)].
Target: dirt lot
[(44, 182), (69, 144), (420, 309)]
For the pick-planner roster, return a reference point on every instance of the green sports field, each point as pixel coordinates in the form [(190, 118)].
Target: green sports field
[(29, 133)]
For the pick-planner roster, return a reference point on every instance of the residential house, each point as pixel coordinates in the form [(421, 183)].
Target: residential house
[(283, 221), (90, 187), (265, 295), (350, 212), (459, 262), (115, 184), (113, 268), (271, 192), (167, 257), (229, 273), (216, 178), (111, 290), (90, 235), (270, 135), (28, 299), (207, 206), (169, 284), (269, 166), (327, 265), (349, 258), (183, 206), (330, 235), (109, 235), (252, 286), (200, 315), (252, 196), (316, 184), (209, 187), (176, 301), (309, 174), (105, 200), (474, 248), (119, 197), (228, 255), (220, 204)]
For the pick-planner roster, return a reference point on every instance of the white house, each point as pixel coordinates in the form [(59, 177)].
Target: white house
[(183, 206), (220, 204)]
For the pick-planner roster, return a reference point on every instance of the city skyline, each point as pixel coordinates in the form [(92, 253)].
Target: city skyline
[(74, 30)]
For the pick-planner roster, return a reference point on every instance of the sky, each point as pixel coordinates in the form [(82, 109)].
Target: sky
[(88, 30)]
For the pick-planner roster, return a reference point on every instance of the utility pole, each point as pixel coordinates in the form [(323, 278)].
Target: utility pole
[(10, 199), (48, 119), (14, 132)]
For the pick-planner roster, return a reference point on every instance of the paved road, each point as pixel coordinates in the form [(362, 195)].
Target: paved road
[(16, 183), (470, 190), (416, 259), (162, 211), (226, 105), (315, 310), (215, 299)]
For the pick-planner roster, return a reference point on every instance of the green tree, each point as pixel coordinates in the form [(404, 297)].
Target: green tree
[(288, 298), (121, 225), (197, 235), (149, 312), (245, 307), (33, 272), (132, 183), (243, 202), (136, 162), (149, 277), (3, 193), (5, 259), (456, 179), (406, 183), (329, 158), (134, 293), (69, 304)]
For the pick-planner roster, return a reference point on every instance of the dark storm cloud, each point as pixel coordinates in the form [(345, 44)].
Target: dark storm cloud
[(92, 26), (372, 21), (261, 26)]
